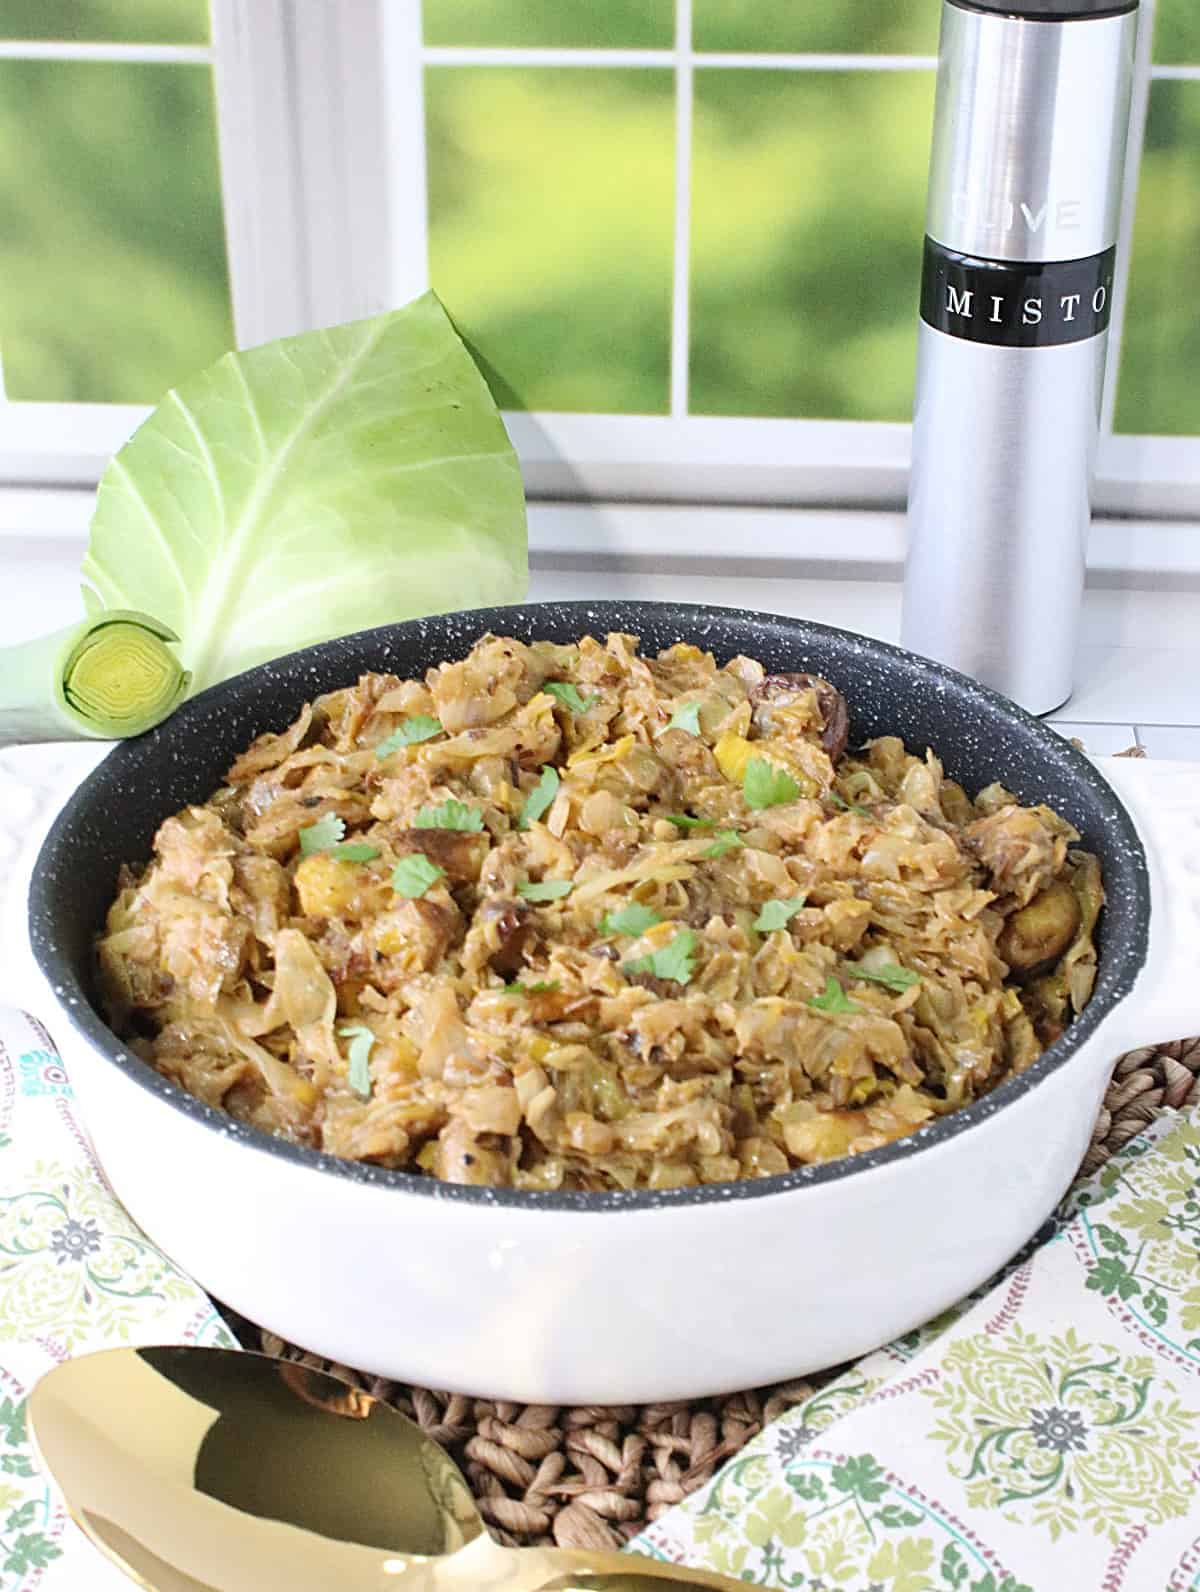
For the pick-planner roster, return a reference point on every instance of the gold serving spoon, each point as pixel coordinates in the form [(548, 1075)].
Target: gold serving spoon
[(212, 1470)]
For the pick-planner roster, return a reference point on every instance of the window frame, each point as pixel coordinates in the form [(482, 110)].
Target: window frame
[(320, 228)]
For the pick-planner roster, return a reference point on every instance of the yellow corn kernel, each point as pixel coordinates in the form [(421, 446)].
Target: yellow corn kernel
[(391, 939), (326, 887), (732, 753)]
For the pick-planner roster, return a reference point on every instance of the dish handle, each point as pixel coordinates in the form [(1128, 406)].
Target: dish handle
[(1163, 799)]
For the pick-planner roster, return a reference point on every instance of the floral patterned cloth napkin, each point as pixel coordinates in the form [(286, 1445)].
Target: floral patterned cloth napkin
[(75, 1275), (1044, 1436)]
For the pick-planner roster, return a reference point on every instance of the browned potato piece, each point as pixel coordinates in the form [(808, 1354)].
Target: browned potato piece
[(459, 853), (1038, 934)]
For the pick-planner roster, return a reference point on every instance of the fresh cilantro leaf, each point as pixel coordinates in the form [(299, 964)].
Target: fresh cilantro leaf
[(764, 785), (727, 840), (685, 821), (686, 718), (548, 890), (354, 851), (563, 691), (358, 1075), (778, 914), (326, 835), (413, 875), (320, 836), (844, 806), (410, 733), (450, 815), (834, 999), (540, 987), (633, 920), (540, 798), (673, 961), (894, 977)]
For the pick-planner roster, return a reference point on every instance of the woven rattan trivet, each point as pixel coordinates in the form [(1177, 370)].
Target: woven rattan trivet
[(595, 1476)]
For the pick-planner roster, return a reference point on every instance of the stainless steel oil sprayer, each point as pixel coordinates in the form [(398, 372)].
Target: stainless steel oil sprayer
[(1025, 189)]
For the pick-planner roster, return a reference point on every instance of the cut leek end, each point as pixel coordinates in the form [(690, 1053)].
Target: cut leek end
[(121, 677)]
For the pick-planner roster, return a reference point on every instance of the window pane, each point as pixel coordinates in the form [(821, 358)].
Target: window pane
[(1177, 33), (1158, 390), (106, 21), (609, 24), (808, 199), (551, 229), (852, 27), (112, 254)]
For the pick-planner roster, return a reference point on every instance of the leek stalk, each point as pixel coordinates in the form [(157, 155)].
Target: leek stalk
[(110, 676)]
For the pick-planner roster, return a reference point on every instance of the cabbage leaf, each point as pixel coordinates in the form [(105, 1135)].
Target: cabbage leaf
[(312, 487)]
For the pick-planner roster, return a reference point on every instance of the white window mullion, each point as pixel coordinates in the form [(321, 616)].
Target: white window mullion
[(259, 169), (403, 152), (539, 55), (681, 268), (784, 62), (72, 50), (301, 114)]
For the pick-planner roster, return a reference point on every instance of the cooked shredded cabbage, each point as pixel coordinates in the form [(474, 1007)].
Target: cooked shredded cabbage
[(516, 1037)]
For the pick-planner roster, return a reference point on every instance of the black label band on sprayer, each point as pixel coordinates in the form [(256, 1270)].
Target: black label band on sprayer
[(1016, 304)]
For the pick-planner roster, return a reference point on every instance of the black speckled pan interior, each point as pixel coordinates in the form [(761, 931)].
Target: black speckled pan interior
[(980, 737)]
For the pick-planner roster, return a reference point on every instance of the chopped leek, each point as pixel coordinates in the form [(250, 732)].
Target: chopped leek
[(110, 675)]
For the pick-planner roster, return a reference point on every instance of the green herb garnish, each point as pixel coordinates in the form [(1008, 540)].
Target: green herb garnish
[(450, 815), (326, 835), (541, 987), (727, 840), (834, 999), (540, 798), (844, 806), (410, 733), (320, 836), (685, 821), (778, 914), (764, 785), (686, 718), (673, 961), (563, 691), (633, 920), (547, 890), (414, 875), (892, 975), (358, 1074)]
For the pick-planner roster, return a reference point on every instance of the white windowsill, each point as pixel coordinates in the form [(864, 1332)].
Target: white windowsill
[(818, 543), (1139, 662)]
